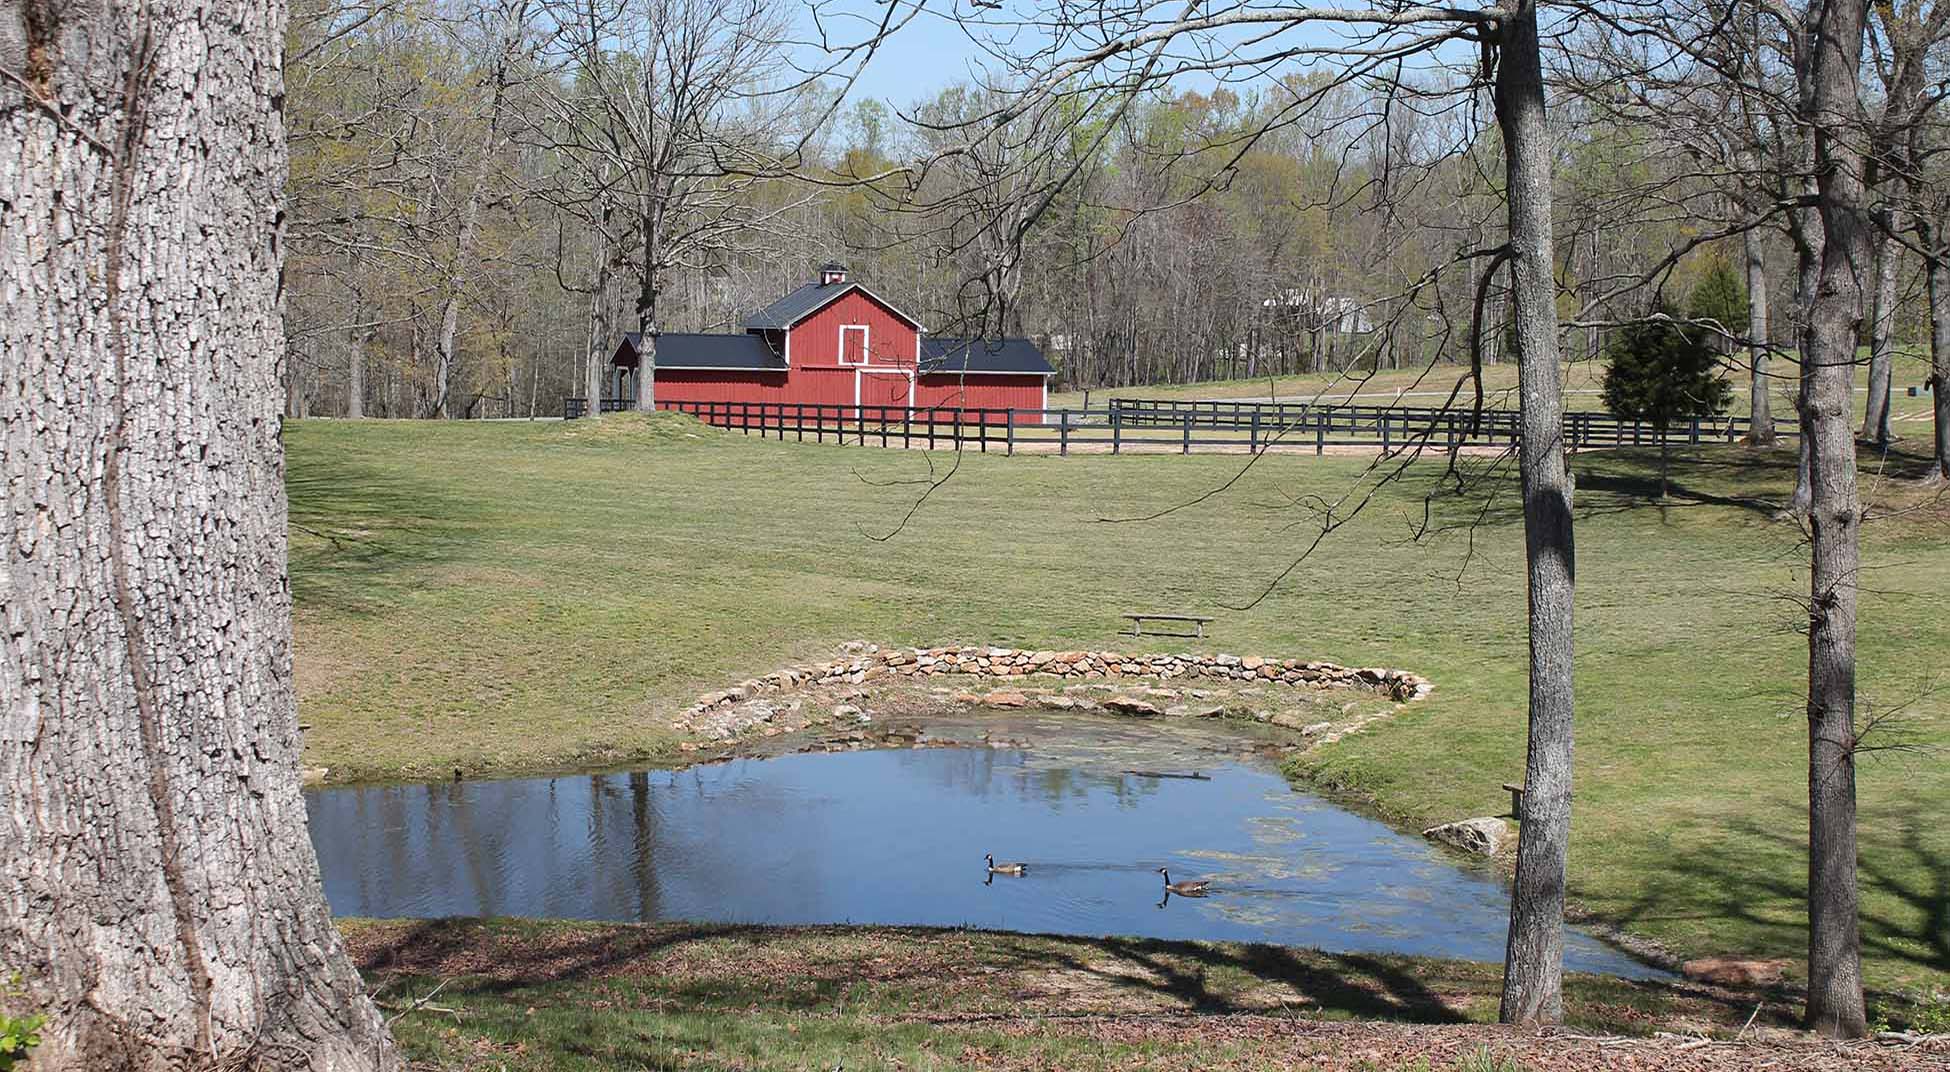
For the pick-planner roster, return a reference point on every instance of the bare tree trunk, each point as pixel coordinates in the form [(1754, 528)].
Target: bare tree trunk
[(599, 331), (1760, 393), (1937, 270), (355, 387), (470, 215), (1882, 344), (1835, 1005), (646, 307), (1534, 959), (1807, 273), (157, 887)]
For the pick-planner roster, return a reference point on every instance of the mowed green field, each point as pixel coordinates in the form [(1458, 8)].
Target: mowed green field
[(509, 597)]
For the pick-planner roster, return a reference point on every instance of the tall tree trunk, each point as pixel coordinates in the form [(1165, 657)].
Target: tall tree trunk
[(1882, 344), (599, 333), (157, 887), (1760, 391), (1808, 259), (646, 306), (1835, 1006), (446, 357), (1534, 959), (1937, 268), (355, 387)]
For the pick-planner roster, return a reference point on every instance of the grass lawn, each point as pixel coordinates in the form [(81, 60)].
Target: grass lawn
[(516, 996), (515, 597)]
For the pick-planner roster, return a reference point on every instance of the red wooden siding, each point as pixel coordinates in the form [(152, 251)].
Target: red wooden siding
[(980, 391), (883, 388), (834, 386), (816, 339), (722, 385)]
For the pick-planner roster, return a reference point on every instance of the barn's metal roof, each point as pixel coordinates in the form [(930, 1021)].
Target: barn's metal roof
[(679, 350), (809, 299), (983, 355)]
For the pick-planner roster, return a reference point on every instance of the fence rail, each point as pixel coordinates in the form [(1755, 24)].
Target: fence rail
[(1157, 426)]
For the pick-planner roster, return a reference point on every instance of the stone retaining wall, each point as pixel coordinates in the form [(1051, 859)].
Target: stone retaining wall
[(865, 662)]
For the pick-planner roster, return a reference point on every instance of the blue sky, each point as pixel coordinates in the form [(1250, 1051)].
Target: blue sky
[(928, 54)]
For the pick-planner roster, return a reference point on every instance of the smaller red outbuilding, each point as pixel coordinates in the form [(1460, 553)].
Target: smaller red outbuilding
[(834, 342)]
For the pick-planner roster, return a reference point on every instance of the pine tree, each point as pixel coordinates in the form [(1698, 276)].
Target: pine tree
[(1721, 297), (1662, 372)]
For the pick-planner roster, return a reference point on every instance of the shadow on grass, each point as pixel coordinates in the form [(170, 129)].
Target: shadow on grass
[(946, 976), (1756, 480), (1715, 885), (359, 533)]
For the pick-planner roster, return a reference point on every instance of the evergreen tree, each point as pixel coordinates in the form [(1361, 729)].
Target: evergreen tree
[(1720, 296), (1663, 372)]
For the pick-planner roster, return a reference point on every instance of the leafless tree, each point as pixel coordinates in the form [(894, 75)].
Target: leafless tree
[(1094, 60), (662, 102)]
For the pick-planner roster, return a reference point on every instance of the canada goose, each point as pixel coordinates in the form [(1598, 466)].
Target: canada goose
[(1188, 888), (1004, 869)]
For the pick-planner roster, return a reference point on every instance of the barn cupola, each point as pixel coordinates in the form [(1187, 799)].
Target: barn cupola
[(833, 274)]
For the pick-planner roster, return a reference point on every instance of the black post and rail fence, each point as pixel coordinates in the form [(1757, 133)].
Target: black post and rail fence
[(1152, 426)]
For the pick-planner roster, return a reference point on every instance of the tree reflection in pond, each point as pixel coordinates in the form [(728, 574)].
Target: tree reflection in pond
[(898, 837)]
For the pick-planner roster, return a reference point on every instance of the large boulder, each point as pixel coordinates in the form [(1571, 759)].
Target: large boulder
[(1735, 971), (1484, 836)]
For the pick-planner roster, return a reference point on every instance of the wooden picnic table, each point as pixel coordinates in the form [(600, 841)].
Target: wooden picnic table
[(1197, 621)]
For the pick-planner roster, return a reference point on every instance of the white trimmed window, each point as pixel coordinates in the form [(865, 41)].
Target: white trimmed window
[(853, 344)]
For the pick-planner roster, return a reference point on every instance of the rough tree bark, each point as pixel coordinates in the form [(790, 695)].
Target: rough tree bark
[(157, 887), (648, 285), (1534, 958), (599, 317), (1808, 259), (1835, 1005), (1760, 431), (355, 387), (1882, 342), (1936, 267)]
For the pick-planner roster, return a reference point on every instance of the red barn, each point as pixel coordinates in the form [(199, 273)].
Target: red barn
[(836, 343)]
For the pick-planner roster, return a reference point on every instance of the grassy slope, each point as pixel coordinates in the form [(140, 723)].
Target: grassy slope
[(508, 597)]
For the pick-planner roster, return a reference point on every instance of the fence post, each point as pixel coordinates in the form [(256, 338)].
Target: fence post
[(1012, 431), (1188, 432), (1384, 430), (1695, 431), (907, 428), (1063, 433), (1321, 417), (1116, 432), (1252, 438)]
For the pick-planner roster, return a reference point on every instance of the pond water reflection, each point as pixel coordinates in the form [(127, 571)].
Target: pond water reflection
[(897, 836)]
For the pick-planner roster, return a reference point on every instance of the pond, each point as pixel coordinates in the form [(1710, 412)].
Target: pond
[(897, 836)]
